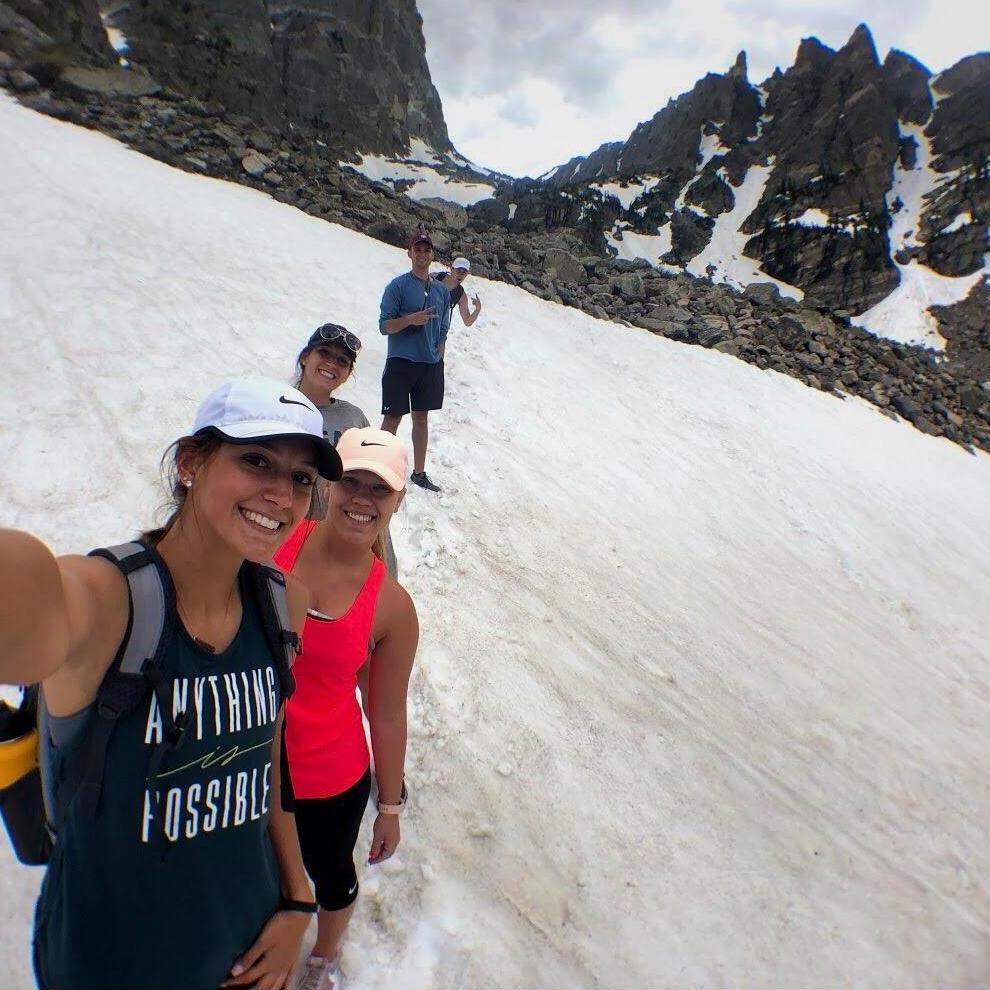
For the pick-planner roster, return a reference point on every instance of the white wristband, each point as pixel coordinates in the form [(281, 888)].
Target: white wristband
[(394, 809)]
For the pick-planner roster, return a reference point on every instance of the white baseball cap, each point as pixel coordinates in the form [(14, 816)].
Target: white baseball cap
[(377, 451), (462, 263), (246, 410)]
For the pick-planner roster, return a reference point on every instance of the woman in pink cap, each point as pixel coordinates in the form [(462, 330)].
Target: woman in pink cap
[(361, 628)]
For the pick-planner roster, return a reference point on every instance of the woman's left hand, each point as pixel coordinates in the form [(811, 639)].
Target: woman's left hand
[(269, 963), (385, 838)]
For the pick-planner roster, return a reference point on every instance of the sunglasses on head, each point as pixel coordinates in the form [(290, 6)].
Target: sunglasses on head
[(331, 331)]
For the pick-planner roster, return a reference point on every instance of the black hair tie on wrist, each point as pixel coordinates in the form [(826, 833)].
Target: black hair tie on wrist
[(303, 907)]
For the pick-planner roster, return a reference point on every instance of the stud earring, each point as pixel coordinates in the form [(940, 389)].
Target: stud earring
[(187, 482)]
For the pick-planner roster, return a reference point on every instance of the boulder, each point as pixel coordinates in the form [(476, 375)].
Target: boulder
[(110, 82), (764, 293), (256, 164), (455, 216), (565, 267), (630, 285)]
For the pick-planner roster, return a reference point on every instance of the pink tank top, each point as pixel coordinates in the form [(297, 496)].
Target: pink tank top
[(324, 735)]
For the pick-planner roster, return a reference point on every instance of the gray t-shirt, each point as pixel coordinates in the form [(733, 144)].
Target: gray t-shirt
[(338, 417)]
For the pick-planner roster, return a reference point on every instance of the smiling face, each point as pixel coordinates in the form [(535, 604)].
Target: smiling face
[(421, 255), (460, 274), (324, 368), (361, 506), (249, 496)]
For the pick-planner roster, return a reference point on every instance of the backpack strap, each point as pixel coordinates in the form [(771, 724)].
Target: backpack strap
[(268, 587), (137, 665)]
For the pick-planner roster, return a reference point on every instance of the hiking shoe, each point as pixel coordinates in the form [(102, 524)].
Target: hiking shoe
[(422, 479), (321, 973)]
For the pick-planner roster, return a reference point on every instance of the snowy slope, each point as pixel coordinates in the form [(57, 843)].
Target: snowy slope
[(701, 698)]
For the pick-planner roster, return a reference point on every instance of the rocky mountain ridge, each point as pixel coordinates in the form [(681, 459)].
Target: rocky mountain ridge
[(832, 135)]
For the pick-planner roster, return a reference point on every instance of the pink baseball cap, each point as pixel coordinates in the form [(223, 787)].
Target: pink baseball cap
[(377, 451)]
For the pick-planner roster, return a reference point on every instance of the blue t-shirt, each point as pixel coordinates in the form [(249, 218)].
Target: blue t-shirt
[(408, 294)]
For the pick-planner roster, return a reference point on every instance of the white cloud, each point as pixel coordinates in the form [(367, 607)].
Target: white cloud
[(526, 86)]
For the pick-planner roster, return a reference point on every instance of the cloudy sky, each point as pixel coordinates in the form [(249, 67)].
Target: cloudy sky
[(527, 84)]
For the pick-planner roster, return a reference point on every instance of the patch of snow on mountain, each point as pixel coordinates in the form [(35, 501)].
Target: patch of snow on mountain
[(652, 247), (427, 181), (626, 194), (695, 702), (710, 146), (420, 151), (724, 252), (962, 220), (512, 209), (904, 315), (812, 217)]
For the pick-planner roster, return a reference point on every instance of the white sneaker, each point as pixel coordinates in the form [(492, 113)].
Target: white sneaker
[(321, 973)]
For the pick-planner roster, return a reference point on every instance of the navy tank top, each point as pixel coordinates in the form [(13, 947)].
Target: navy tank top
[(132, 901)]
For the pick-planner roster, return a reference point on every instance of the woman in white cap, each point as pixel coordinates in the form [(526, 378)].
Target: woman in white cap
[(454, 281), (174, 863), (361, 628), (324, 364)]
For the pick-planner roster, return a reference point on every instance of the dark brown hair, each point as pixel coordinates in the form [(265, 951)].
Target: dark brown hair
[(204, 447)]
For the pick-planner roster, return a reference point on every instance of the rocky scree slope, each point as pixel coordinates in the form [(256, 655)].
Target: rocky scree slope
[(551, 260)]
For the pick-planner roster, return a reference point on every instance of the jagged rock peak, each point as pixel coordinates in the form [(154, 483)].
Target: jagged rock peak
[(972, 70), (860, 43), (907, 83), (811, 54), (739, 68)]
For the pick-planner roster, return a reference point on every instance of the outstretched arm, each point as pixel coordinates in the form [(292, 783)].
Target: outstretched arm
[(467, 315), (61, 621)]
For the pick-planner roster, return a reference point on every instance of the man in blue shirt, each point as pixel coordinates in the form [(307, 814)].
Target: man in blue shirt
[(415, 316)]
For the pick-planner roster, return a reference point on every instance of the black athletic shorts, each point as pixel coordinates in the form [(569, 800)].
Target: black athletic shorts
[(411, 384), (328, 830)]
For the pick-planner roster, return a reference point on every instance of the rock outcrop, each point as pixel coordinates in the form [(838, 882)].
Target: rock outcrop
[(46, 36), (354, 73)]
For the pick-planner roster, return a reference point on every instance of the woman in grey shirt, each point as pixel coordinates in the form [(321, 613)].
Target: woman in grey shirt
[(324, 364)]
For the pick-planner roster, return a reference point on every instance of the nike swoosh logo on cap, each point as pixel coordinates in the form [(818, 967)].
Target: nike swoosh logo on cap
[(371, 443), (351, 891), (292, 402)]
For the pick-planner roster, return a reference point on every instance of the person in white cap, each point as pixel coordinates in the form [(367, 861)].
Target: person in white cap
[(354, 602), (185, 870), (454, 281)]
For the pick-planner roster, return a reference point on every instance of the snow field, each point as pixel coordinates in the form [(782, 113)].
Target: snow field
[(701, 697), (427, 181)]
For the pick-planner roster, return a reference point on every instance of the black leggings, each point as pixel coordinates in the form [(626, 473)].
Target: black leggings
[(328, 830)]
